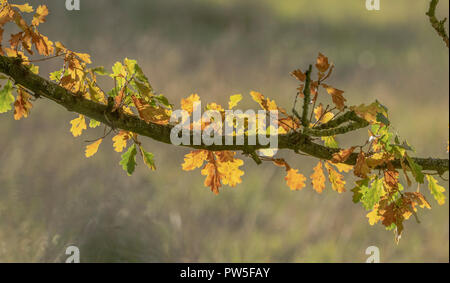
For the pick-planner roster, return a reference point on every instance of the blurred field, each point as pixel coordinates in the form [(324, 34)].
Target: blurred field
[(51, 196)]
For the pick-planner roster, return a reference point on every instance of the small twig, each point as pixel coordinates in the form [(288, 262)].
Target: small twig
[(306, 98), (439, 26), (104, 136), (44, 59)]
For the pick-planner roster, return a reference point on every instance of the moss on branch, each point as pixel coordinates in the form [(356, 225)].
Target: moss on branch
[(296, 141)]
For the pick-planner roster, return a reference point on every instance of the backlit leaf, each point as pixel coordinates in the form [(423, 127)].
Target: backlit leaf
[(318, 178), (194, 159), (322, 63), (234, 100), (148, 159), (78, 125), (128, 161), (120, 141), (92, 148), (336, 179), (436, 190), (22, 105), (6, 97), (295, 180)]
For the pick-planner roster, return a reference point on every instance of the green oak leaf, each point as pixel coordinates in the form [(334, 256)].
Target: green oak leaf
[(416, 170), (6, 97), (372, 195), (361, 185), (382, 119), (93, 123), (128, 161), (330, 142), (436, 190), (148, 159)]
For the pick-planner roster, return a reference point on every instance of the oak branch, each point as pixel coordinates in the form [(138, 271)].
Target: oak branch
[(299, 142)]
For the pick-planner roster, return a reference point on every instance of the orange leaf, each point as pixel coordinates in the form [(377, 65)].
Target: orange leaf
[(342, 167), (342, 155), (194, 159), (322, 63), (336, 179), (295, 180), (22, 105), (187, 104), (318, 178), (336, 96), (212, 174), (148, 113), (299, 75), (39, 17), (361, 167)]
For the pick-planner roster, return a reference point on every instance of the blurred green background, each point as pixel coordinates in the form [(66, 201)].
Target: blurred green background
[(51, 196)]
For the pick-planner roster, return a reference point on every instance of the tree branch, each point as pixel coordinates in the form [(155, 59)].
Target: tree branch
[(296, 141), (435, 23), (307, 98)]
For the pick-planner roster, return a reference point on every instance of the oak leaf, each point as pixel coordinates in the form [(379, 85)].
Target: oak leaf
[(295, 180), (318, 178), (120, 141), (92, 148), (336, 179), (78, 125), (187, 104), (342, 155), (336, 96), (194, 159), (22, 105), (361, 167), (322, 63)]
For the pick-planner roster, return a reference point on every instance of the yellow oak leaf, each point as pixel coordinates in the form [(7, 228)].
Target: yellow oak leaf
[(230, 173), (321, 116), (120, 141), (92, 148), (187, 104), (295, 180), (266, 104), (342, 167), (24, 8), (214, 106), (336, 179), (39, 17), (373, 216), (318, 178), (78, 125), (234, 100), (194, 159)]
